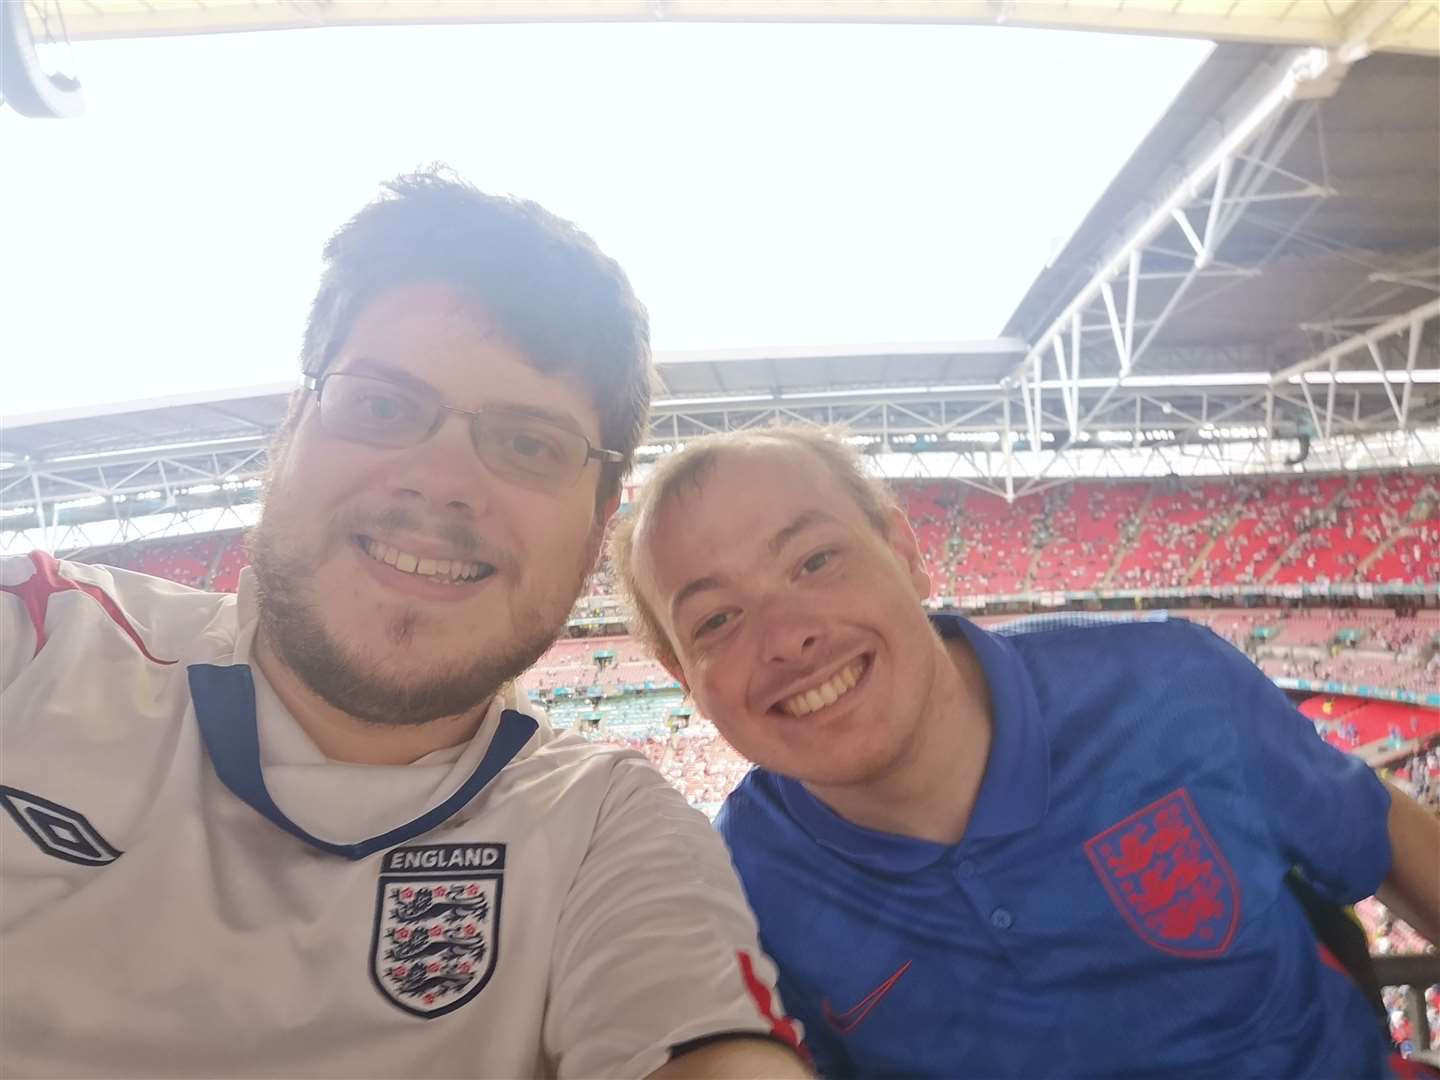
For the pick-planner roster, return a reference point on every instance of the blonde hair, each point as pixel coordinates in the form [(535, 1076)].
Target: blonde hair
[(690, 466)]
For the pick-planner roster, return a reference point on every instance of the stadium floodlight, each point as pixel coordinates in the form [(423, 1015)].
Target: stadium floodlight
[(162, 448), (891, 391), (1216, 378), (1368, 378), (1237, 378), (710, 402), (1411, 320)]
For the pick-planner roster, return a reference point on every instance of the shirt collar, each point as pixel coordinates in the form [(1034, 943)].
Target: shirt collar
[(224, 699), (1014, 791), (247, 614), (240, 732)]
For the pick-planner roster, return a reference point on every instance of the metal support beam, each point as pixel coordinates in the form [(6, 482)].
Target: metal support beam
[(1329, 399), (1308, 66), (1291, 131), (1073, 410), (1269, 427), (1190, 234), (1131, 288), (1008, 437), (1424, 313), (1411, 281), (1217, 199), (40, 510), (1411, 353), (1310, 404), (1385, 382), (1116, 330)]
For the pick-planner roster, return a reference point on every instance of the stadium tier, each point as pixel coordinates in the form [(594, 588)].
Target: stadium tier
[(1375, 528), (1363, 674), (1379, 528)]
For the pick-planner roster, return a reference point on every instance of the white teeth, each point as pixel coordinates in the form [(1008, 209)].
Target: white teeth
[(827, 693), (454, 571)]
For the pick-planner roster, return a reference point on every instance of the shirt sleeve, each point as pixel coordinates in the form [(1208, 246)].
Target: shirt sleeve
[(17, 630), (743, 826), (1326, 810), (656, 947)]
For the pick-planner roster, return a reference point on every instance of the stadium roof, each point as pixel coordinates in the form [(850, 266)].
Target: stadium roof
[(1265, 266), (1314, 249), (1405, 25)]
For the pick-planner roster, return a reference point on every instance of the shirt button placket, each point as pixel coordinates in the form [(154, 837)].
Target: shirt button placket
[(987, 906)]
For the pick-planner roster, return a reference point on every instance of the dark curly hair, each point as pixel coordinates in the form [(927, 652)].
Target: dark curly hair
[(555, 295)]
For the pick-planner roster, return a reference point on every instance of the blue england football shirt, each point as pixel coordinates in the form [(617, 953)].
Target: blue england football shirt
[(1118, 904)]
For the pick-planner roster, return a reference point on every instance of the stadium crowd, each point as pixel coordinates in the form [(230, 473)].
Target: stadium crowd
[(1375, 528), (1382, 527), (1379, 528)]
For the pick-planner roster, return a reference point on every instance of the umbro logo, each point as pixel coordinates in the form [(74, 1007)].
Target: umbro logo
[(57, 830)]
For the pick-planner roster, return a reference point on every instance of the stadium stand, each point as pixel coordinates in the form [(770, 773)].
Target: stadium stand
[(234, 557), (210, 561), (1085, 535), (1375, 528), (1391, 936)]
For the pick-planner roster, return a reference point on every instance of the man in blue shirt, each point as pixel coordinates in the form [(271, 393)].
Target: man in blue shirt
[(1061, 851)]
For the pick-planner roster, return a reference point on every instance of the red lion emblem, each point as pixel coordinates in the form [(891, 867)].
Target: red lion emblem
[(1168, 877)]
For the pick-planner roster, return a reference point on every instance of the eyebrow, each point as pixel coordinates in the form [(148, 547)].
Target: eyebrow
[(806, 520), (366, 365), (696, 586), (553, 416)]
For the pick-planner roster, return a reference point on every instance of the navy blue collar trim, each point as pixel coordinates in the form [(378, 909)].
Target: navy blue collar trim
[(225, 708), (1013, 795), (1016, 788), (889, 853)]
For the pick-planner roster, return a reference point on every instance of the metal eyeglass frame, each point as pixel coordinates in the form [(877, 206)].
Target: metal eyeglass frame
[(592, 452)]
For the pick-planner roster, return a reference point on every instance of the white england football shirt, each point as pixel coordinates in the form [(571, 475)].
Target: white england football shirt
[(189, 888)]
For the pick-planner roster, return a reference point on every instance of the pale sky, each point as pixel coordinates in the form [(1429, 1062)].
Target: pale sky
[(762, 185)]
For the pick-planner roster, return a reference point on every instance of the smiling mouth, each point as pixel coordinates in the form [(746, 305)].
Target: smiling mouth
[(828, 692), (450, 571)]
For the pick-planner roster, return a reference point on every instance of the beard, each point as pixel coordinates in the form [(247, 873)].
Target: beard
[(369, 687)]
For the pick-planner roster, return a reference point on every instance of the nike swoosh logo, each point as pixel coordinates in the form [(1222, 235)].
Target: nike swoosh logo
[(852, 1018)]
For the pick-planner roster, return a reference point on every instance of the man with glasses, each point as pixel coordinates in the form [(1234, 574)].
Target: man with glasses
[(314, 829)]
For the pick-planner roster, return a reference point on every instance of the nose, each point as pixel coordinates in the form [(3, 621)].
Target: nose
[(444, 472), (791, 637)]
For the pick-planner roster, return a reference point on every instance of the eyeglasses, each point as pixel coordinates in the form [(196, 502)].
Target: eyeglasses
[(515, 445)]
